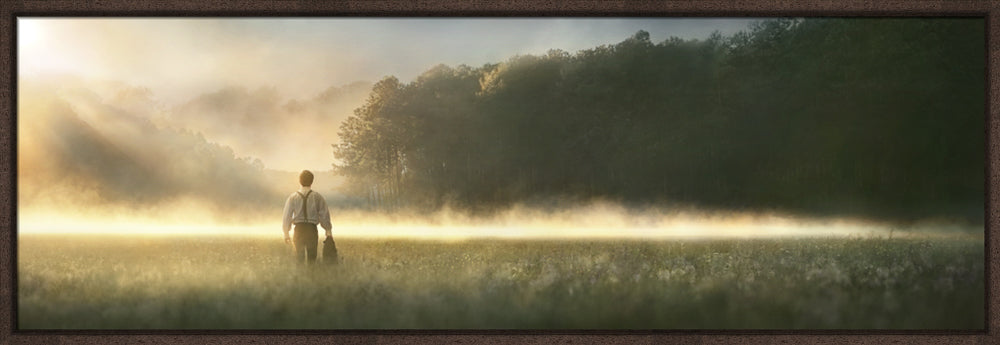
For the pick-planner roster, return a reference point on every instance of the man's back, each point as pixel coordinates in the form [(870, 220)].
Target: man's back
[(305, 209), (306, 206)]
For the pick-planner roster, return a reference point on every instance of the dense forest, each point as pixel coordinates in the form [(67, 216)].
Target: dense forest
[(875, 118)]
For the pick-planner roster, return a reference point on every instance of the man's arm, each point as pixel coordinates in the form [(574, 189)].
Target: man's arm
[(286, 219), (324, 216)]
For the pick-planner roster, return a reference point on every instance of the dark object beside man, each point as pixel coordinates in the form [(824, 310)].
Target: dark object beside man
[(330, 252)]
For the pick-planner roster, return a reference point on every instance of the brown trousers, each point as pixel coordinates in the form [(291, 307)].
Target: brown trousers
[(305, 241)]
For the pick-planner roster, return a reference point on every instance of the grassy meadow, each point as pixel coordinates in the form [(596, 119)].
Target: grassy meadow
[(197, 282)]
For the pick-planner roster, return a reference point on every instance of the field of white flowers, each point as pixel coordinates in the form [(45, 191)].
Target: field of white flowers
[(120, 282)]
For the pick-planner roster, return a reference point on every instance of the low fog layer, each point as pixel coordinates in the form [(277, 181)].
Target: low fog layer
[(593, 220)]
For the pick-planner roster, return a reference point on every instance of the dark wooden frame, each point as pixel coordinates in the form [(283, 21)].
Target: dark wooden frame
[(10, 10)]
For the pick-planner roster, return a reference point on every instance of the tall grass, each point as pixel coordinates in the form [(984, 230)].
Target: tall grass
[(117, 282)]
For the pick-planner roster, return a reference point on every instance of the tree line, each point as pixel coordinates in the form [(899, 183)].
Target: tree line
[(868, 117)]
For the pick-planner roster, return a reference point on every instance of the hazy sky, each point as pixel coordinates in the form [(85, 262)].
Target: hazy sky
[(179, 58)]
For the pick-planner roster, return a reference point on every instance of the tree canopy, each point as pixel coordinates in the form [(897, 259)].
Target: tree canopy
[(876, 118)]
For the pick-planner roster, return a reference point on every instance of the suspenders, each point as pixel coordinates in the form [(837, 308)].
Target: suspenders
[(305, 200)]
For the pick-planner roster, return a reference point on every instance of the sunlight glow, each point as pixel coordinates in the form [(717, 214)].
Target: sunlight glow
[(536, 228), (29, 33)]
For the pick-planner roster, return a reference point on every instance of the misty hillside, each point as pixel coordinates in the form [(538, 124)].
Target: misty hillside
[(74, 148), (104, 143), (263, 124), (873, 118)]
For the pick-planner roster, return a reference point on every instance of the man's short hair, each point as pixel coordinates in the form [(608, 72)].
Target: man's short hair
[(306, 178)]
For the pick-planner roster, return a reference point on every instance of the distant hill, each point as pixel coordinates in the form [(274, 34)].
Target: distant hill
[(261, 123), (77, 149)]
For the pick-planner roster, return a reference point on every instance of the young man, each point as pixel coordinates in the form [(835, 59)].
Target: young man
[(306, 208)]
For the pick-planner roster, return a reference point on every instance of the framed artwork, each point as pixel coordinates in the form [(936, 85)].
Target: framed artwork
[(591, 174)]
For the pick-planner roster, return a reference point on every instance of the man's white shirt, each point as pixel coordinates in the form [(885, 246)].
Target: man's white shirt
[(316, 210)]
